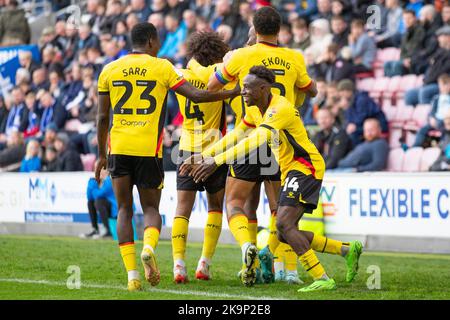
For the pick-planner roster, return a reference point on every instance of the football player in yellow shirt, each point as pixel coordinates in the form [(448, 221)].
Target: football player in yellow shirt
[(278, 124), (134, 88), (203, 125), (293, 82)]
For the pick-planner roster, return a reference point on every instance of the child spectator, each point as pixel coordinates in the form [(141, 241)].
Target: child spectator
[(32, 161), (440, 108)]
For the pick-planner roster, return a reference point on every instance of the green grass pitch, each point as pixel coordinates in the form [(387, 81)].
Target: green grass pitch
[(35, 267)]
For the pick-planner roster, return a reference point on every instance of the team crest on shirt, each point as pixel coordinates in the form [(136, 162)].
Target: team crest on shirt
[(291, 195)]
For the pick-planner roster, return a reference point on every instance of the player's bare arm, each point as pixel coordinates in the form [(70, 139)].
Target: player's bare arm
[(104, 106), (198, 96)]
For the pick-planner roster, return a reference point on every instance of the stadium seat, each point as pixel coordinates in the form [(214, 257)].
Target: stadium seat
[(395, 160), (411, 161), (392, 88), (419, 117), (365, 84), (381, 85), (395, 134), (390, 113), (408, 82), (88, 161), (429, 156)]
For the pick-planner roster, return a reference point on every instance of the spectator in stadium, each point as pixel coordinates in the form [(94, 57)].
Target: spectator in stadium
[(73, 83), (49, 39), (133, 20), (14, 28), (443, 162), (358, 107), (333, 68), (203, 8), (323, 10), (141, 9), (225, 32), (438, 64), (101, 200), (412, 42), (176, 35), (26, 61), (189, 20), (320, 36), (300, 35), (67, 158), (50, 163), (431, 22), (390, 34), (32, 128), (440, 108), (176, 8), (39, 79), (12, 155), (32, 161), (17, 116), (331, 141), (87, 39), (285, 36), (445, 14), (47, 111), (56, 83), (303, 9), (246, 13), (339, 28), (4, 111), (157, 19), (342, 9), (363, 47), (223, 14), (114, 12), (371, 155), (22, 75)]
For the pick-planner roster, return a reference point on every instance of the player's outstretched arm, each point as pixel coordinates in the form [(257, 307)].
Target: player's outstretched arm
[(198, 96), (104, 106), (230, 139), (256, 139)]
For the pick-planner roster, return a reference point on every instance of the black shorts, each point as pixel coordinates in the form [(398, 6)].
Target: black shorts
[(251, 172), (145, 172), (213, 184), (254, 170), (300, 190)]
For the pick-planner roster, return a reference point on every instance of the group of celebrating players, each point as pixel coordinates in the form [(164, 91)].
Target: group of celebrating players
[(263, 83)]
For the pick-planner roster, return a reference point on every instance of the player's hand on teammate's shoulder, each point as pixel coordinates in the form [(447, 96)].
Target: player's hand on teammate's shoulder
[(236, 90), (190, 163), (204, 170)]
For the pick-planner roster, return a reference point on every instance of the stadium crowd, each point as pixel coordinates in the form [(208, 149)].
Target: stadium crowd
[(360, 56)]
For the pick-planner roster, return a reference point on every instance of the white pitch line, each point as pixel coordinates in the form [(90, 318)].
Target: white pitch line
[(184, 292)]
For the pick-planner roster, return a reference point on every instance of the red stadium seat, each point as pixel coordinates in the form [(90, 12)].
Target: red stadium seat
[(381, 85), (395, 160), (408, 82), (392, 88), (429, 156), (365, 84), (411, 161), (395, 134), (88, 161), (419, 117)]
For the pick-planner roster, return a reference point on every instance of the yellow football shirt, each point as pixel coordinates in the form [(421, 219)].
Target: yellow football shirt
[(137, 85), (291, 79), (282, 127), (203, 123)]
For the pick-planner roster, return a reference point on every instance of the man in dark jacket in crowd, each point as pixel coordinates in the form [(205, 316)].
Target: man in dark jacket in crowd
[(14, 28), (438, 64), (333, 68), (331, 141), (443, 162), (68, 159), (370, 155), (340, 30), (13, 153), (358, 107), (412, 42)]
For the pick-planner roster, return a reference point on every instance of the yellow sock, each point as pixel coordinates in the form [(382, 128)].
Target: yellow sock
[(290, 258), (128, 253), (327, 245), (273, 241), (278, 255), (179, 236), (212, 233), (253, 230), (151, 237), (312, 264), (239, 228)]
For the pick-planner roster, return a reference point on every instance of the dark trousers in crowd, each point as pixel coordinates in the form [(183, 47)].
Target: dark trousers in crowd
[(103, 207)]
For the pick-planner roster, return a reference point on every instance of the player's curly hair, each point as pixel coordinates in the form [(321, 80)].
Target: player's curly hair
[(263, 73), (206, 47), (267, 21)]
